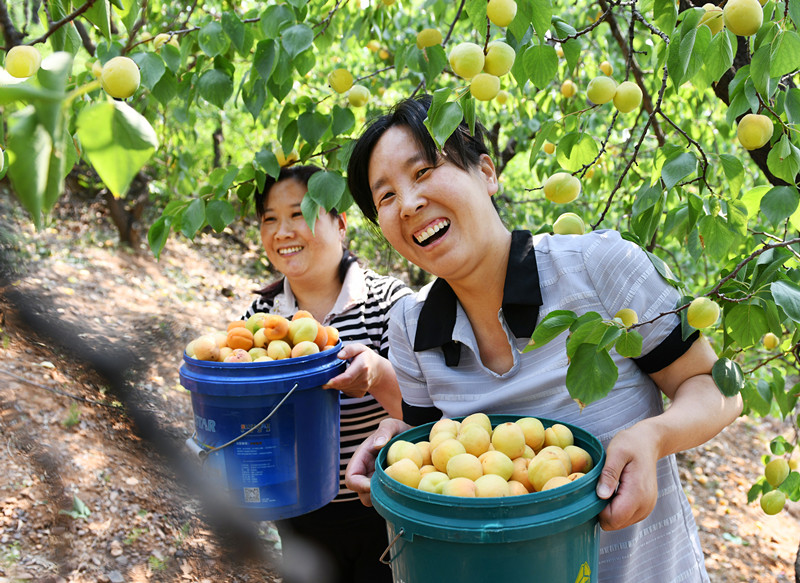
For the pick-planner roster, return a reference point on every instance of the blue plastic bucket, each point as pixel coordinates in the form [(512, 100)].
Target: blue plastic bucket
[(287, 466), (543, 536)]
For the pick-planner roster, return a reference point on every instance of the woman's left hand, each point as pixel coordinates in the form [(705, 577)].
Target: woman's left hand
[(362, 372), (630, 470)]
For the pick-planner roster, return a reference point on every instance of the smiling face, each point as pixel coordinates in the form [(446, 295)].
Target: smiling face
[(290, 245), (437, 216)]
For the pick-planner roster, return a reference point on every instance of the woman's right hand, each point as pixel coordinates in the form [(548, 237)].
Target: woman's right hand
[(362, 464)]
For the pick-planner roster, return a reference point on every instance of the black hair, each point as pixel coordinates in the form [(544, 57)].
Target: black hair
[(462, 148), (302, 174)]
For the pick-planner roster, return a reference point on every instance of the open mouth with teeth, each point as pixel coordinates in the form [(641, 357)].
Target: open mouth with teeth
[(433, 232), (289, 250)]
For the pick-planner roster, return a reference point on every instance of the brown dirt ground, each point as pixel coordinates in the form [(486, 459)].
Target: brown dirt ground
[(63, 433)]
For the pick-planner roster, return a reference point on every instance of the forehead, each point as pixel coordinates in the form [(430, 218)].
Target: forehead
[(285, 192), (395, 149)]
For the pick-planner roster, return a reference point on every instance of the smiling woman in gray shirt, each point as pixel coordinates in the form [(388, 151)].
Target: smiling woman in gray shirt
[(456, 345)]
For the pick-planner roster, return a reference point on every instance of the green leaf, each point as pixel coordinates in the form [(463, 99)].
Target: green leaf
[(433, 63), (297, 38), (310, 210), (99, 14), (151, 68), (665, 14), (172, 57), (212, 39), (476, 11), (234, 28), (587, 329), (343, 120), (29, 149), (575, 150), (215, 87), (117, 141), (551, 326), (274, 19), (794, 13), (443, 117), (326, 188), (220, 214), (792, 106), (539, 14), (746, 323), (759, 71), (719, 56), (779, 203), (663, 270), (677, 168), (254, 95), (785, 56), (541, 65), (787, 295), (157, 234), (266, 161), (591, 374), (717, 237), (783, 160), (629, 344), (734, 172), (266, 58), (312, 126), (647, 208), (728, 377), (193, 218)]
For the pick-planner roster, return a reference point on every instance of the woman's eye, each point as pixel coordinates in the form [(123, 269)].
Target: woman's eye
[(297, 215), (385, 197), (423, 171), (269, 219)]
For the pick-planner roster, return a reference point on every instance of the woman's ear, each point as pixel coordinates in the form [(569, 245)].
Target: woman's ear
[(490, 175), (342, 222)]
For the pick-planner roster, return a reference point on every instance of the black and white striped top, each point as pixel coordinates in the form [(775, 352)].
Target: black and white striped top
[(361, 314)]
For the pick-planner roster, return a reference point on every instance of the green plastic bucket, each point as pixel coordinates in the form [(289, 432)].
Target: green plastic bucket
[(547, 536), (267, 432)]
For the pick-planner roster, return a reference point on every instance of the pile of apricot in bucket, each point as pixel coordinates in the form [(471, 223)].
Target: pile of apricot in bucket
[(264, 337), (470, 458)]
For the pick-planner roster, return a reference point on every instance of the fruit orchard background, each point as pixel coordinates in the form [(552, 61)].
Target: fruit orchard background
[(246, 86)]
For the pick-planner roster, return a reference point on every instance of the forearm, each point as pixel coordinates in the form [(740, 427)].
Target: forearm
[(697, 413), (386, 390)]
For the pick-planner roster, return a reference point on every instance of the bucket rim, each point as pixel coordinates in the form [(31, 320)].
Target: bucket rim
[(516, 518), (213, 364)]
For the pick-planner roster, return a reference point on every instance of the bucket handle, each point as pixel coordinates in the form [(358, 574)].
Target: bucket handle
[(203, 452), (382, 558)]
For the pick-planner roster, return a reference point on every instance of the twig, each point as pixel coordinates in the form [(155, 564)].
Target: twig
[(68, 18)]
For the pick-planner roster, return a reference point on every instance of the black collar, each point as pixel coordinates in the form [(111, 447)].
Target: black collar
[(522, 298)]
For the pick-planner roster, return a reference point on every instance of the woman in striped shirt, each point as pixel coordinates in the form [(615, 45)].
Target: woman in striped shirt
[(342, 541)]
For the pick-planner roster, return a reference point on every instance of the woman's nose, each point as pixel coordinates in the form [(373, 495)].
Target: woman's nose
[(411, 202)]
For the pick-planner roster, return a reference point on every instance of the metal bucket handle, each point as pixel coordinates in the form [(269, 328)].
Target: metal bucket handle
[(382, 558), (202, 452)]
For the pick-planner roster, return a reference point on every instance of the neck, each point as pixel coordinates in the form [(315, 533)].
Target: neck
[(483, 287), (317, 295)]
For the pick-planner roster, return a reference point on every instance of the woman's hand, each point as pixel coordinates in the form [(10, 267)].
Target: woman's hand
[(362, 464), (368, 372), (630, 470), (361, 373)]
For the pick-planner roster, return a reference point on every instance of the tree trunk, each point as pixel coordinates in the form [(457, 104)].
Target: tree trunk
[(126, 212)]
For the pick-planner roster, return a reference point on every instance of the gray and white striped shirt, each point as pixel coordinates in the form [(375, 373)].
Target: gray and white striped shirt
[(598, 272)]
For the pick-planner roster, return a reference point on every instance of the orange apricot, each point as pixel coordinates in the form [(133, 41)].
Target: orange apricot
[(333, 335), (322, 336), (302, 314), (236, 324), (240, 338), (275, 327)]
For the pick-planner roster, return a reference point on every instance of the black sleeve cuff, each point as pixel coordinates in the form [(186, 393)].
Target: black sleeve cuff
[(670, 350), (414, 415)]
